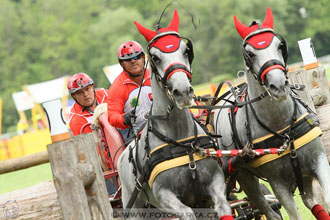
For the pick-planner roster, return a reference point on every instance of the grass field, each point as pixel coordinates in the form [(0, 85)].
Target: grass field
[(24, 178), (305, 213)]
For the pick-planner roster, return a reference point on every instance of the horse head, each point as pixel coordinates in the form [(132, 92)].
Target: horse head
[(170, 56), (265, 54)]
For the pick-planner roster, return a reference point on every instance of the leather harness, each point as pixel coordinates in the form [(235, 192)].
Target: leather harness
[(285, 137)]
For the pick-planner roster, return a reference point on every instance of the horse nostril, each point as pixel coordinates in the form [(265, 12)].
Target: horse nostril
[(286, 83), (274, 88), (191, 91), (176, 93)]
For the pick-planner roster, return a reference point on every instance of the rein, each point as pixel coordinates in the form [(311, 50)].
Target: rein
[(145, 169), (137, 101), (237, 93)]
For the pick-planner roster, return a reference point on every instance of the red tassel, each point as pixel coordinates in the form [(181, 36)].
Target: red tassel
[(319, 212), (226, 217)]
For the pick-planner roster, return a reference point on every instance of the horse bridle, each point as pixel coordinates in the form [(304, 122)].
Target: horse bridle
[(269, 65), (174, 67)]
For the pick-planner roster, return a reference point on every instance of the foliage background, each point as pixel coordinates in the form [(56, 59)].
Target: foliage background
[(43, 40)]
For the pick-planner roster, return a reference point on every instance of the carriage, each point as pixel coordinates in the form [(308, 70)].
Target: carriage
[(199, 179)]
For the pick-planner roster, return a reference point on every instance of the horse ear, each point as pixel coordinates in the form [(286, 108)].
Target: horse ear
[(268, 22), (242, 29), (148, 34), (175, 22)]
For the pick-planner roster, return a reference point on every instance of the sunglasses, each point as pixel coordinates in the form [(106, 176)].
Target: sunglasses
[(133, 58)]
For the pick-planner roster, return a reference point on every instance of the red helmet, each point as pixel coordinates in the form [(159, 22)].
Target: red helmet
[(129, 49), (79, 81)]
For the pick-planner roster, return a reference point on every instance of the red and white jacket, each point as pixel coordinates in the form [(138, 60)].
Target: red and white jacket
[(78, 117), (123, 97)]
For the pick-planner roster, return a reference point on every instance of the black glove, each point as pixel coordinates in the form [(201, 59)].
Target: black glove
[(129, 118)]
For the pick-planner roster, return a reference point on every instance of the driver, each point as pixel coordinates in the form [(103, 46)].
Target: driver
[(82, 90), (123, 93)]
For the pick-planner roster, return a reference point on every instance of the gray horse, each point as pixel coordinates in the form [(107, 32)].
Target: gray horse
[(170, 136), (273, 116)]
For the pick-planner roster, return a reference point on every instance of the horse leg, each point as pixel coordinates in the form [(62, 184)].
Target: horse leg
[(135, 211), (217, 193), (171, 204), (323, 176), (250, 186), (310, 199), (285, 196)]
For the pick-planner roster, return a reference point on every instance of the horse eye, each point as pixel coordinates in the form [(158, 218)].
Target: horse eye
[(186, 52), (155, 58), (280, 46), (251, 55)]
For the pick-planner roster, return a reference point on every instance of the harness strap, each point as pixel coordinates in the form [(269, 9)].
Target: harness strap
[(296, 168), (192, 165), (131, 160), (293, 153), (233, 104), (236, 139), (138, 186), (175, 67), (170, 151), (215, 100), (299, 128), (207, 131), (265, 68)]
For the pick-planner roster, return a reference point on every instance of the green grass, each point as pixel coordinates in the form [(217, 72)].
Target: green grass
[(304, 212), (24, 178)]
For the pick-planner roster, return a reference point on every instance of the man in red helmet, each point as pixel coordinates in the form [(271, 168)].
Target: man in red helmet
[(82, 90), (126, 107)]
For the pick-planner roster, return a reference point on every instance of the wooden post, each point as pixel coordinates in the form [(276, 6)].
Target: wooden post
[(35, 202), (317, 96), (316, 92), (323, 113), (78, 179)]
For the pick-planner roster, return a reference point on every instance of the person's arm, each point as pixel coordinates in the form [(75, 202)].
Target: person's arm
[(76, 124), (116, 102)]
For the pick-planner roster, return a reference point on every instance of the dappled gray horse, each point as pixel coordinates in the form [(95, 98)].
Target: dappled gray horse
[(163, 161), (274, 116)]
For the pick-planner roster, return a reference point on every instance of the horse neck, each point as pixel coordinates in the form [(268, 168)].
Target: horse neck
[(273, 113), (179, 123)]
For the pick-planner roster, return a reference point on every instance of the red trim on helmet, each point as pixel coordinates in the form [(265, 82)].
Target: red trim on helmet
[(128, 50), (263, 75), (79, 81)]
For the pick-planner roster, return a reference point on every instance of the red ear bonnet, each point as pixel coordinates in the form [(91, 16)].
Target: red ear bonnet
[(168, 43), (261, 40)]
